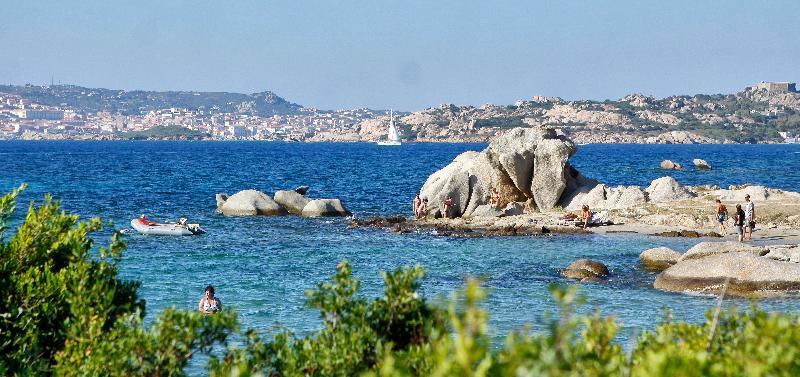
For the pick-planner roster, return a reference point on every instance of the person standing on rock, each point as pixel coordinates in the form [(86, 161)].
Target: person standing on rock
[(422, 210), (417, 202), (750, 216), (722, 215), (586, 216), (447, 206), (738, 222)]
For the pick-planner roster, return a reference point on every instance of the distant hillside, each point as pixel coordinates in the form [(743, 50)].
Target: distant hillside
[(137, 101)]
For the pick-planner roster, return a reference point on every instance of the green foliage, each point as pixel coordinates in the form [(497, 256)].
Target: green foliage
[(66, 313)]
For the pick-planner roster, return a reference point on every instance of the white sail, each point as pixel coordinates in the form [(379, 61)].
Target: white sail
[(393, 138)]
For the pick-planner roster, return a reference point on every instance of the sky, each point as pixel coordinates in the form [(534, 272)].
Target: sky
[(406, 55)]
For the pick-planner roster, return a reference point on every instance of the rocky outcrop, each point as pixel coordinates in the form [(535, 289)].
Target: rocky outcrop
[(585, 269), (324, 207), (293, 201), (667, 189), (748, 275), (701, 164), (705, 249), (751, 271), (659, 258), (249, 203), (522, 164)]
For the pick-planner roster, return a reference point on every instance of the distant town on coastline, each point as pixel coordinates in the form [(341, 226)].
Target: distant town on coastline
[(767, 112)]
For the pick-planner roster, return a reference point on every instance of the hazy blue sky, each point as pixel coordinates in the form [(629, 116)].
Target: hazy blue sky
[(403, 54)]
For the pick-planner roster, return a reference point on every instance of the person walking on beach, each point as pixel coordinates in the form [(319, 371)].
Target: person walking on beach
[(447, 205), (209, 304), (416, 204), (750, 216), (722, 215), (738, 222)]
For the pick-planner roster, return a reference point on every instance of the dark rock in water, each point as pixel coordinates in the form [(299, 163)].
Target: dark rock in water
[(681, 233), (377, 222), (585, 268), (302, 190), (713, 234)]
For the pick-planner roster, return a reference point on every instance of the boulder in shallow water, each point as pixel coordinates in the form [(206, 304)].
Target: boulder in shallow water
[(669, 165), (750, 275), (291, 200), (659, 258), (705, 249), (325, 207), (302, 190), (701, 164), (585, 269), (221, 198), (250, 203)]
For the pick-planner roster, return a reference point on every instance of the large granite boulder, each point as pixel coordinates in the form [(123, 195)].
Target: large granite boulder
[(783, 253), (705, 249), (659, 258), (749, 274), (585, 269), (249, 203), (324, 207), (220, 198), (522, 164), (667, 189), (293, 201)]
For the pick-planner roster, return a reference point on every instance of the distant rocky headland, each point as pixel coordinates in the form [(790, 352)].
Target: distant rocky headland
[(766, 112)]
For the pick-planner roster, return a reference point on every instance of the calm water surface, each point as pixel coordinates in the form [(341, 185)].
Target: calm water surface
[(263, 265)]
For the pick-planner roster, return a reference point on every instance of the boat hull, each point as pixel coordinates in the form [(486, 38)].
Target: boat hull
[(164, 229)]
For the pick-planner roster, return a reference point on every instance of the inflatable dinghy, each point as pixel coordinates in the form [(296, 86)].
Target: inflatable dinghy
[(169, 229)]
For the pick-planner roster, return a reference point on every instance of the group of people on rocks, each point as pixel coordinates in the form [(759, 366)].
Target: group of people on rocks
[(744, 219), (420, 207)]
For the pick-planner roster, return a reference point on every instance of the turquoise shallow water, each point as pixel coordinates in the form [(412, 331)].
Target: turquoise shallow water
[(262, 265)]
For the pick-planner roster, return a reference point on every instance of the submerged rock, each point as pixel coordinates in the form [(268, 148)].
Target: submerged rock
[(249, 203), (659, 258), (669, 165), (585, 269)]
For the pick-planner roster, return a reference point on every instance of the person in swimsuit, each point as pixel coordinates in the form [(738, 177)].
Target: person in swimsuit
[(422, 210), (739, 222), (416, 204), (722, 215), (209, 304), (447, 205), (494, 197), (586, 216)]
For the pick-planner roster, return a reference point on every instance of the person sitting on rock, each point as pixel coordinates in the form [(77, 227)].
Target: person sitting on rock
[(722, 215), (494, 197), (447, 206), (586, 216)]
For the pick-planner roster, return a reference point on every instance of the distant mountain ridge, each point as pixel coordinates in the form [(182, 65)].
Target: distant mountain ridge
[(135, 102)]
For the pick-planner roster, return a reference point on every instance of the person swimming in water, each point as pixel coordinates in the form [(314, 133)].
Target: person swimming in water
[(209, 304)]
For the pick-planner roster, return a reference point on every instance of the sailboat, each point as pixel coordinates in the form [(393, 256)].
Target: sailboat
[(393, 138)]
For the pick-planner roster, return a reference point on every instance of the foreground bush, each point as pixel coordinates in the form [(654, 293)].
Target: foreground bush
[(64, 312)]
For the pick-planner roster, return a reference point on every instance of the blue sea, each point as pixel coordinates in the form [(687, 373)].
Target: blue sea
[(261, 266)]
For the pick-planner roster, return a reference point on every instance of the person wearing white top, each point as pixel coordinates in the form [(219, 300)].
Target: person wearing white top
[(749, 216)]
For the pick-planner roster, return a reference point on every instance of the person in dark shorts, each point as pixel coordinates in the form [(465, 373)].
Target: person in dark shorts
[(738, 221)]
